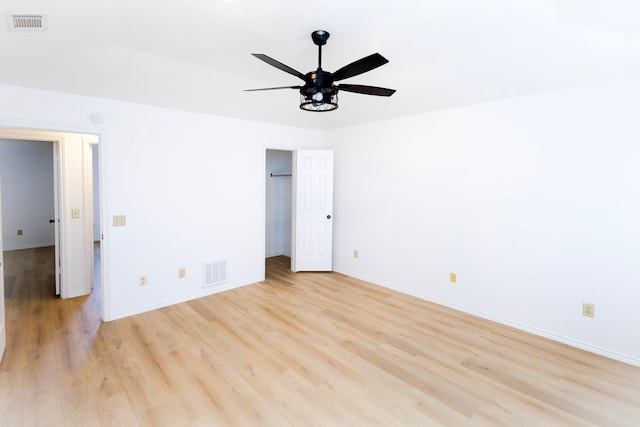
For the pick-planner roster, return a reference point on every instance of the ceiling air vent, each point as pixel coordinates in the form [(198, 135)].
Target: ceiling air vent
[(25, 22)]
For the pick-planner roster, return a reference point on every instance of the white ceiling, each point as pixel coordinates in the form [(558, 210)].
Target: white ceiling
[(195, 55)]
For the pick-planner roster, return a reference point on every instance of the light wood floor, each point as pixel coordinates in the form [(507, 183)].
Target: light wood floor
[(295, 350)]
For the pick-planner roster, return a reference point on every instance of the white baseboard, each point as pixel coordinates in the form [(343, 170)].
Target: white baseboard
[(29, 246), (75, 295), (271, 255), (540, 332), (184, 298)]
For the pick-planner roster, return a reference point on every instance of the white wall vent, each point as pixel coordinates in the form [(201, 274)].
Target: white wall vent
[(214, 273), (27, 22)]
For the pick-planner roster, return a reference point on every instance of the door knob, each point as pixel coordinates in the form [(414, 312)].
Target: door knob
[(51, 221), (328, 216)]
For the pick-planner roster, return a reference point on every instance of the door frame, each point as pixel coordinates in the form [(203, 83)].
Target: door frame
[(11, 129), (293, 152), (56, 146), (277, 175)]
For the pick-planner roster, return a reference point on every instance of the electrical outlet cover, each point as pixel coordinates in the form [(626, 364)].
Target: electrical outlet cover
[(588, 310)]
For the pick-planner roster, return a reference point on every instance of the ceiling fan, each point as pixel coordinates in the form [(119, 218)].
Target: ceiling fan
[(319, 93)]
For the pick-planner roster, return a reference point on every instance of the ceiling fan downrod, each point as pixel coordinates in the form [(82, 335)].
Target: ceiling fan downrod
[(320, 38)]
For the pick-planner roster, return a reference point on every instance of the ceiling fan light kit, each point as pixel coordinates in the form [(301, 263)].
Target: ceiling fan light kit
[(319, 93), (319, 100)]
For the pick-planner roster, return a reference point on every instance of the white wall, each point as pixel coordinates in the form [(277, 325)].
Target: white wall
[(534, 202), (278, 204), (27, 193), (192, 187)]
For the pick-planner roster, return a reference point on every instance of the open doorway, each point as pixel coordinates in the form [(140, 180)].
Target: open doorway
[(278, 199), (28, 193), (76, 216), (29, 203), (299, 208)]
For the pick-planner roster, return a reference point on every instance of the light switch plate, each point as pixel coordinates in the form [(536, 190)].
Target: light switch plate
[(75, 213), (119, 220)]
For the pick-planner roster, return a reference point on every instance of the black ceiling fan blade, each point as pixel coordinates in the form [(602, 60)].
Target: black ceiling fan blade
[(272, 88), (360, 66), (367, 90), (279, 65)]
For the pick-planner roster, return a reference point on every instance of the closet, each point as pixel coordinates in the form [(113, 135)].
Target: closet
[(278, 199)]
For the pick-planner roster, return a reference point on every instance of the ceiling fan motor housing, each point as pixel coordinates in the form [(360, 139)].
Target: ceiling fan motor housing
[(318, 82)]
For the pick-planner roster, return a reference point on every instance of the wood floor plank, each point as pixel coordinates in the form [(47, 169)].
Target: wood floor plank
[(297, 349)]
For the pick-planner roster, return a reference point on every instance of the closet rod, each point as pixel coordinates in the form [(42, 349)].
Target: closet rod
[(280, 174)]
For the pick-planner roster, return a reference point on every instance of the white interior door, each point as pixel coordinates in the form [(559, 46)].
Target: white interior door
[(56, 211), (3, 333), (87, 166), (312, 229)]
